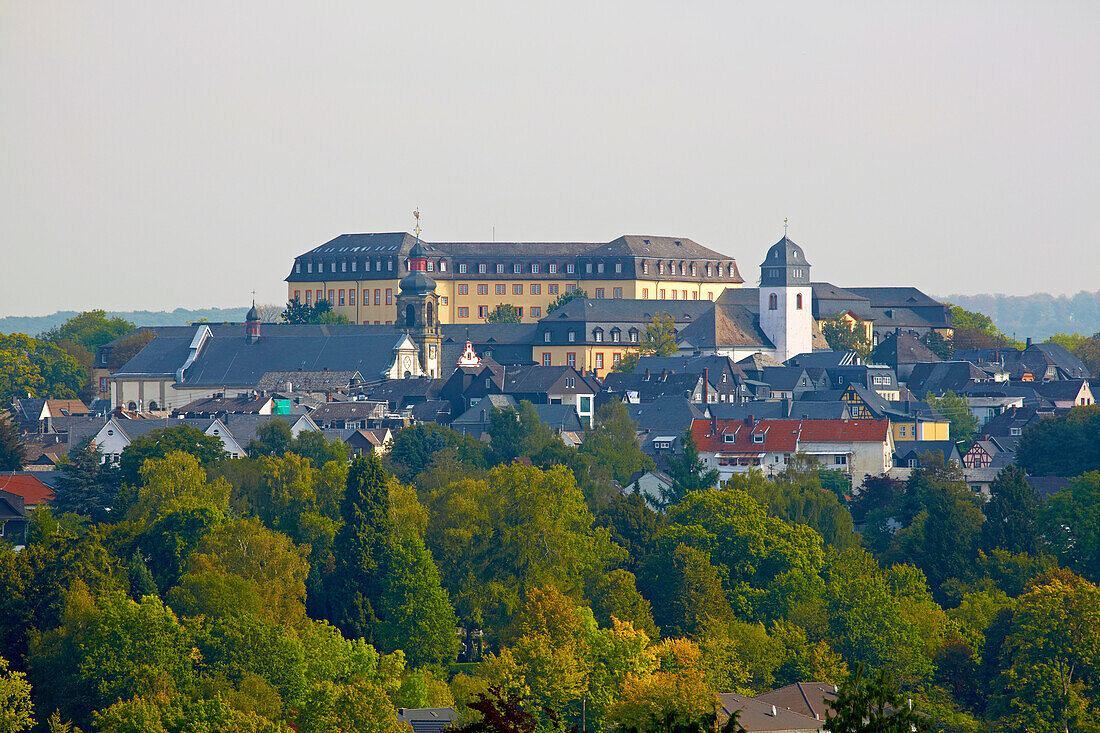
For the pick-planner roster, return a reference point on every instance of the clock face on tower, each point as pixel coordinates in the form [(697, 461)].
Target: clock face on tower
[(431, 351), (407, 361)]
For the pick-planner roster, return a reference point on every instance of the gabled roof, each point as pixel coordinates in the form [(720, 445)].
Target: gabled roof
[(908, 449), (739, 436), (725, 325), (540, 379), (311, 381), (26, 485), (757, 716), (687, 364), (844, 431), (940, 377), (607, 310), (811, 699), (1063, 389), (902, 348), (666, 414), (427, 720), (786, 379)]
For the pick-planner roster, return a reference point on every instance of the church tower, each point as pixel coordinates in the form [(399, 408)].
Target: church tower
[(786, 310), (418, 307)]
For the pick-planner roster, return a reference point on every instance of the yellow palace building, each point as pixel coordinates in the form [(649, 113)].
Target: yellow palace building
[(359, 274)]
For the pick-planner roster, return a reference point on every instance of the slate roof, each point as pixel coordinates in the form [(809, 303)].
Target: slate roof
[(311, 381), (908, 449), (1061, 390), (665, 415), (902, 348), (227, 359), (714, 365), (781, 409), (541, 379), (216, 405), (624, 310), (786, 379), (437, 411), (506, 343), (400, 393), (824, 359), (427, 720), (760, 717), (811, 699), (725, 325), (473, 416), (560, 418), (657, 385), (344, 411), (243, 427), (940, 377)]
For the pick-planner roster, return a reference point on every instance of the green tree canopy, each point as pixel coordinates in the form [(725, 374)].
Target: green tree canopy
[(90, 329), (566, 297), (844, 335), (159, 443), (1066, 445), (613, 442), (32, 367), (1072, 521), (872, 705), (504, 313), (688, 471), (87, 486), (319, 313), (12, 450), (964, 425), (974, 330), (1012, 514)]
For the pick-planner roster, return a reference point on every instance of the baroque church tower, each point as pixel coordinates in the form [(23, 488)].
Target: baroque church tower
[(786, 310), (418, 307)]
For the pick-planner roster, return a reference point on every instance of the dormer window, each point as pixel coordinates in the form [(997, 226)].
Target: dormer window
[(599, 267), (500, 268), (298, 267), (597, 335), (333, 268), (546, 337), (534, 268), (481, 268), (618, 267), (570, 268), (366, 266), (709, 270), (616, 335), (443, 265), (517, 268), (354, 264), (645, 268), (462, 268), (719, 271), (572, 337), (389, 264), (588, 267), (758, 438), (660, 268), (431, 266), (633, 335), (693, 269), (729, 437), (309, 267), (553, 268), (344, 266)]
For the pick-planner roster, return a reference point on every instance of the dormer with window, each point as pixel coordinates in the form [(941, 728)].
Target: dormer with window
[(618, 267), (645, 268), (633, 335), (571, 337), (758, 438), (482, 268), (546, 337), (616, 335), (597, 335), (500, 268), (693, 269), (599, 267), (462, 268), (588, 267), (729, 438), (660, 268), (517, 268)]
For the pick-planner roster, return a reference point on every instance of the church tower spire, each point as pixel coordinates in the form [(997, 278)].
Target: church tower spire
[(786, 307), (418, 307)]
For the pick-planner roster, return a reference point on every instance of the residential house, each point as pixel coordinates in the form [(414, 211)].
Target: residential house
[(363, 441), (1066, 393), (908, 454), (249, 403), (427, 720), (757, 716), (652, 486), (902, 352), (812, 699), (13, 518), (876, 377), (662, 422), (945, 376), (552, 385), (348, 415)]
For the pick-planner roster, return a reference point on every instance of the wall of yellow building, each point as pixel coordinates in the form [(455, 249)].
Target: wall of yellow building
[(587, 356), (931, 431), (451, 299)]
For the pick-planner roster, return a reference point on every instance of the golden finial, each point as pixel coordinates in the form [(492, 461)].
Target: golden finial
[(784, 227), (416, 215)]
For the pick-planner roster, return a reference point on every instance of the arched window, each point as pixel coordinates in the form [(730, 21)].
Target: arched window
[(798, 301), (153, 405), (410, 316), (429, 316), (773, 302)]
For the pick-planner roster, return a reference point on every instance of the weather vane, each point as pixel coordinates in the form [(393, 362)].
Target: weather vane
[(416, 215), (784, 227)]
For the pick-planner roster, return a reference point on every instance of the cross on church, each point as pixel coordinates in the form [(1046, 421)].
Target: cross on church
[(784, 227)]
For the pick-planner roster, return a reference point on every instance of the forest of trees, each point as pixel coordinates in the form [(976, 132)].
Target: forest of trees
[(298, 590), (1037, 316)]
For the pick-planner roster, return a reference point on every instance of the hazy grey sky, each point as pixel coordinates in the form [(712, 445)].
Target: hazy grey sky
[(157, 155)]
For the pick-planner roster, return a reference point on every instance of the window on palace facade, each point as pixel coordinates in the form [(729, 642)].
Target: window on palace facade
[(482, 289), (462, 268), (572, 337), (502, 289), (500, 268), (599, 361), (546, 337), (463, 289), (536, 311), (344, 266), (482, 268), (297, 267), (516, 268), (645, 293), (570, 268), (483, 311), (599, 293), (599, 268), (463, 312), (333, 268), (517, 289), (616, 335), (571, 288), (597, 335), (546, 358), (536, 289), (617, 293), (431, 266), (645, 268), (571, 360), (535, 268), (552, 288), (553, 268), (309, 267), (588, 267)]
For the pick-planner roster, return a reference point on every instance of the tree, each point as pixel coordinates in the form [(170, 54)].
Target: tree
[(416, 614), (938, 345), (319, 313), (12, 451), (613, 442), (159, 443), (414, 446), (687, 470), (843, 334), (686, 590), (16, 712), (363, 549), (273, 438), (1012, 514), (964, 426), (633, 524), (1072, 521), (1066, 445), (564, 298), (90, 329), (974, 330), (1049, 658), (659, 338), (503, 313), (31, 367), (614, 595), (87, 486), (871, 705)]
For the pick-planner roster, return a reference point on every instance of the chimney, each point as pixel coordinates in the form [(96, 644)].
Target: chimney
[(647, 374), (705, 380), (713, 425), (1028, 343)]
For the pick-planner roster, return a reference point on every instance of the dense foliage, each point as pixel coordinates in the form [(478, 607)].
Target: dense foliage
[(298, 590)]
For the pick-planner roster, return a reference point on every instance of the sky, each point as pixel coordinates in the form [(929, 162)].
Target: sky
[(157, 155)]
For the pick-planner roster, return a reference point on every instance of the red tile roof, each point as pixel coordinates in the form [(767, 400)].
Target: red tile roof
[(783, 436), (33, 491)]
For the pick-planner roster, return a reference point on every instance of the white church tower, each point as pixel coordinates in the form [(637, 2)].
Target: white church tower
[(786, 312)]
